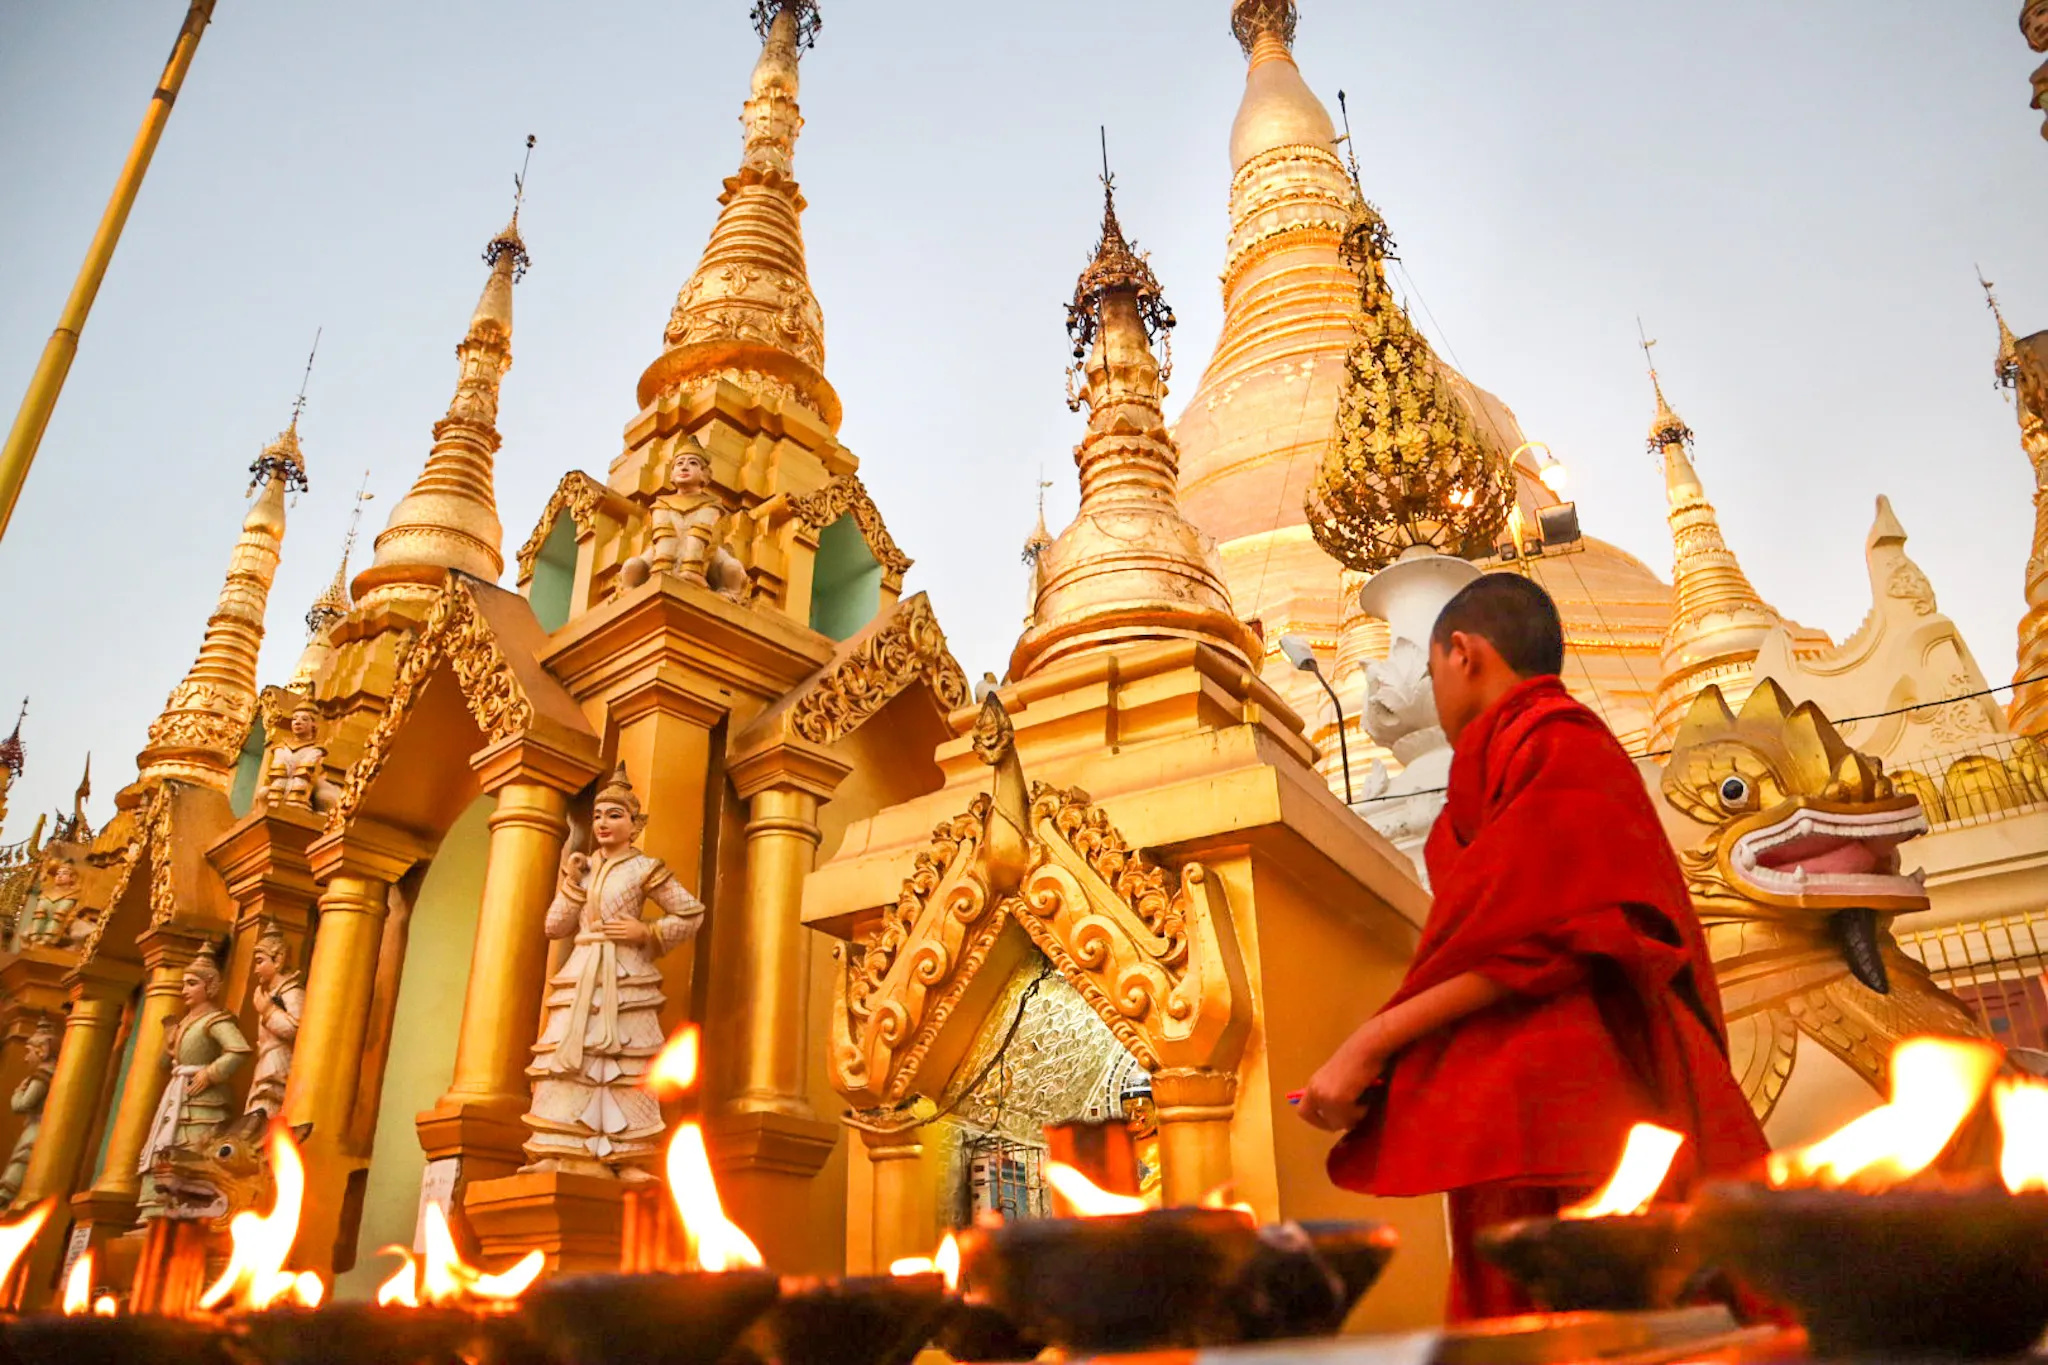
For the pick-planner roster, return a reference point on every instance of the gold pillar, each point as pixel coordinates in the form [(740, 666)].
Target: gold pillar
[(904, 1213), (1195, 1109), (166, 952), (767, 1142), (358, 866), (478, 1120), (77, 1087)]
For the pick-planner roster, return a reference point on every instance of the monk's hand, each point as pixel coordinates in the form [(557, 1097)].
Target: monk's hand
[(632, 931), (1333, 1099)]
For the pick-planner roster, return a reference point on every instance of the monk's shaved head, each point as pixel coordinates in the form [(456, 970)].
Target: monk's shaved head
[(1511, 613)]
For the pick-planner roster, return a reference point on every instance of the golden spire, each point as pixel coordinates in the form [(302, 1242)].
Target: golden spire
[(13, 758), (1717, 619), (1130, 567), (450, 518), (2023, 368), (198, 737), (330, 606), (748, 312)]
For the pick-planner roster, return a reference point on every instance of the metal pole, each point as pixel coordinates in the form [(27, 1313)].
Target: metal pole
[(1343, 747), (48, 382)]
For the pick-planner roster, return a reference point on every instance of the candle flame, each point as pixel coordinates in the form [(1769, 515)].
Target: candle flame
[(402, 1290), (675, 1070), (944, 1262), (308, 1289), (1936, 1084), (1645, 1160), (445, 1278), (78, 1287), (1084, 1198), (2022, 1109), (1220, 1198), (16, 1237), (261, 1242), (105, 1307), (715, 1243)]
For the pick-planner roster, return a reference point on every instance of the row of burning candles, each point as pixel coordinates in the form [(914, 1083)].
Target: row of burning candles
[(1938, 1085)]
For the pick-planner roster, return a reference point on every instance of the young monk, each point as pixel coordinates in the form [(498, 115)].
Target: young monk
[(1561, 991)]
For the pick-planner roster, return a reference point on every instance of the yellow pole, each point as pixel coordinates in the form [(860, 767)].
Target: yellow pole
[(48, 381), (1195, 1109), (143, 1088), (769, 978), (75, 1089)]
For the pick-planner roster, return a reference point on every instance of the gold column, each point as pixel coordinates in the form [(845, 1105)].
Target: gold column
[(904, 1213), (1195, 1108), (358, 867), (166, 952), (478, 1119), (77, 1087)]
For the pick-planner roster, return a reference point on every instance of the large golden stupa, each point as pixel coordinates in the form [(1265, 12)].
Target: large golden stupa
[(401, 900)]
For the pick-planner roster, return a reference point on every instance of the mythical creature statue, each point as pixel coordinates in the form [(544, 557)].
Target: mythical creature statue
[(590, 1112), (212, 1178), (690, 530), (1796, 879), (27, 1101)]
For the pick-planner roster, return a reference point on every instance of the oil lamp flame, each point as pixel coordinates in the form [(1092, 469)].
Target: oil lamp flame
[(1085, 1198), (1645, 1161), (402, 1290), (78, 1287), (945, 1262), (255, 1269), (445, 1278), (105, 1307), (675, 1070), (1220, 1198), (1936, 1084), (2022, 1109), (715, 1243), (16, 1237)]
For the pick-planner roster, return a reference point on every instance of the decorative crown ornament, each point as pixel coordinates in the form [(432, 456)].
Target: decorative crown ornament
[(1407, 466), (1117, 265), (618, 790), (1250, 18)]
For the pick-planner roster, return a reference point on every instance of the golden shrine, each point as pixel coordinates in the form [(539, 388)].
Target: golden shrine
[(921, 923)]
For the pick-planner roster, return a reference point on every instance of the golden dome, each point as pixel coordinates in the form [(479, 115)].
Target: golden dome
[(1279, 110)]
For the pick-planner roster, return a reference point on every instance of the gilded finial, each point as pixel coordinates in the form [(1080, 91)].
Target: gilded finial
[(333, 602), (1041, 539), (509, 242), (1251, 20), (805, 12), (299, 403), (2007, 366), (13, 757), (282, 458), (1117, 267), (1667, 429)]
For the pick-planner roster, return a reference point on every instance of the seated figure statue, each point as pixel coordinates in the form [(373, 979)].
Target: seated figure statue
[(54, 903), (295, 770), (690, 527)]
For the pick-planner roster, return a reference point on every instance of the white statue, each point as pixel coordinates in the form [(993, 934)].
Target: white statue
[(295, 770), (278, 996), (603, 1023), (690, 528), (27, 1101)]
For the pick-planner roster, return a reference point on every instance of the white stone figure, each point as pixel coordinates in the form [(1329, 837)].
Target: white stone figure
[(278, 995), (295, 770)]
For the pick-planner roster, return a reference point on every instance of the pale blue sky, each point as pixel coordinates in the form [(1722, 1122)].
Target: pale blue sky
[(1793, 196)]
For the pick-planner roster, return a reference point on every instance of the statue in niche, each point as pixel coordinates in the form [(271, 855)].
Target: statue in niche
[(54, 903), (690, 529), (278, 995), (602, 1025), (203, 1049), (295, 770), (27, 1101)]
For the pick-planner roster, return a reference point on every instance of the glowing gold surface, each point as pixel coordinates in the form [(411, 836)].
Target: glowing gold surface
[(2024, 366)]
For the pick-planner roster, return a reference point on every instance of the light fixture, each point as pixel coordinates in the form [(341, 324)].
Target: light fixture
[(1303, 656)]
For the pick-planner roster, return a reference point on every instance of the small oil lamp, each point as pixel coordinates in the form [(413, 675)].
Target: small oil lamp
[(1884, 1239), (88, 1331), (1619, 1251)]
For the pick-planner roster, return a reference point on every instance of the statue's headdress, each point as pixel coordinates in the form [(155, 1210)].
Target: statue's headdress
[(205, 965), (270, 939), (618, 790)]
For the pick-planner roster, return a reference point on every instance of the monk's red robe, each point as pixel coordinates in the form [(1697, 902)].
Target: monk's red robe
[(1554, 879)]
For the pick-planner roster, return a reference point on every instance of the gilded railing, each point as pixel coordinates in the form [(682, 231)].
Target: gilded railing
[(1995, 967)]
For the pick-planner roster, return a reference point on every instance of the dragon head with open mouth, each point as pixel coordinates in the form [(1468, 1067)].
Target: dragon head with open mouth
[(211, 1179), (1796, 877)]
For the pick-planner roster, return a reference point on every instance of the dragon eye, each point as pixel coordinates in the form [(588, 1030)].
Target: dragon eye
[(1734, 791), (226, 1150)]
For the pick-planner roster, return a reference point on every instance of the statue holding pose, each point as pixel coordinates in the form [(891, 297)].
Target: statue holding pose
[(589, 1111), (295, 771), (55, 901), (690, 530), (279, 996), (203, 1049), (27, 1101)]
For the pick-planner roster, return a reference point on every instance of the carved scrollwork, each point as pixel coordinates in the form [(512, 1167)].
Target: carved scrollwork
[(155, 817), (846, 494), (910, 648), (577, 494), (454, 633), (902, 984)]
